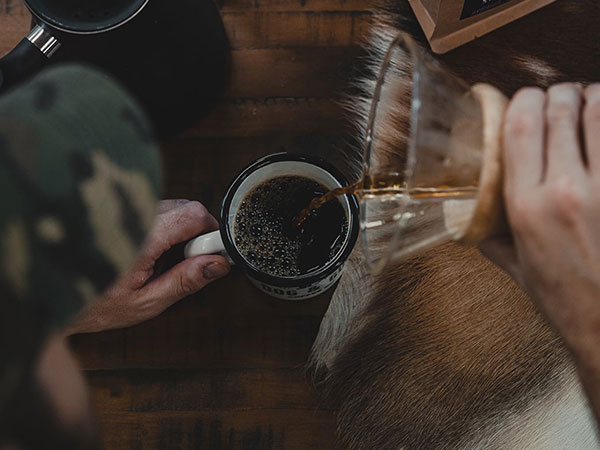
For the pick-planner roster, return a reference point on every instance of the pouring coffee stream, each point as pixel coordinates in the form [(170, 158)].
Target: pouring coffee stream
[(384, 185)]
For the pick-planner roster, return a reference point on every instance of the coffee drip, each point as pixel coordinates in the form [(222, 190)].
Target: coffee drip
[(370, 187)]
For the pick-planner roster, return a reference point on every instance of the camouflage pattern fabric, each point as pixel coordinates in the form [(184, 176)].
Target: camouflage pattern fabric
[(79, 179)]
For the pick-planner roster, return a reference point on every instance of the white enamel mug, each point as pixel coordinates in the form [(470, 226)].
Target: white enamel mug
[(300, 287)]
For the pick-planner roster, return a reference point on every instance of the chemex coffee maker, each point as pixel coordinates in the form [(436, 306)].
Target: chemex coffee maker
[(172, 55), (445, 183)]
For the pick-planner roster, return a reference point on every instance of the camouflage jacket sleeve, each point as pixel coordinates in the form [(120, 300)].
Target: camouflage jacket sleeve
[(79, 177)]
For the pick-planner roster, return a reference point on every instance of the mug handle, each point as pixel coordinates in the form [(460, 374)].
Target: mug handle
[(27, 57), (207, 244)]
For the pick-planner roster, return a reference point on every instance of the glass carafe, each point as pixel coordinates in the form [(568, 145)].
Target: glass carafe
[(438, 180)]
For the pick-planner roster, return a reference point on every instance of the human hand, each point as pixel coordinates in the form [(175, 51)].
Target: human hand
[(141, 293), (552, 198)]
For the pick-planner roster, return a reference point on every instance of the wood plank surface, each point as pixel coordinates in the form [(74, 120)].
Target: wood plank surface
[(294, 5), (14, 24), (265, 117), (186, 390), (252, 429), (293, 72), (193, 167), (181, 338), (252, 29), (224, 369), (17, 7)]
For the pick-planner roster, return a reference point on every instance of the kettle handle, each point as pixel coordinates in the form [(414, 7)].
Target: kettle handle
[(27, 57)]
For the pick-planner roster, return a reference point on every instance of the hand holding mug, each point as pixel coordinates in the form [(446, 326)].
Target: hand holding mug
[(141, 294)]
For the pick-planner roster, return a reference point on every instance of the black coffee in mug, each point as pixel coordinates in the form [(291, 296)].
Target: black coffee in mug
[(261, 235), (269, 238)]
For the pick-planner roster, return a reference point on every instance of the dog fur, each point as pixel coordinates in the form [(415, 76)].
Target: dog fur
[(444, 351)]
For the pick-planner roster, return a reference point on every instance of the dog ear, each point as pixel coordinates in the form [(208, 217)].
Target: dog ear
[(344, 316)]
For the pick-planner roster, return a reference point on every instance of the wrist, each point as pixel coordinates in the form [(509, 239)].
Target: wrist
[(585, 348), (575, 315), (85, 322), (72, 329)]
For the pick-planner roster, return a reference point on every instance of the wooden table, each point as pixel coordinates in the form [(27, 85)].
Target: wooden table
[(224, 369)]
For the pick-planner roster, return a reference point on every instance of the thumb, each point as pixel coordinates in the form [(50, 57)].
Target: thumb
[(188, 277)]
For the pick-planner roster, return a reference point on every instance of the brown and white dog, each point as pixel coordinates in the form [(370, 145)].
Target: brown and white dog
[(444, 351)]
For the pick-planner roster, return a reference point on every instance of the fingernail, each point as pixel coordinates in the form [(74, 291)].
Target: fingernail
[(214, 270)]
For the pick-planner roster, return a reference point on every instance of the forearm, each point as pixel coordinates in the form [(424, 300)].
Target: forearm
[(587, 362), (575, 314)]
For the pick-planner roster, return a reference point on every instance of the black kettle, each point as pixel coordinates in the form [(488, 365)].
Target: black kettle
[(173, 55)]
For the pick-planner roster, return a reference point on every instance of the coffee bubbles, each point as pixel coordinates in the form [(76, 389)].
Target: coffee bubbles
[(269, 239)]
